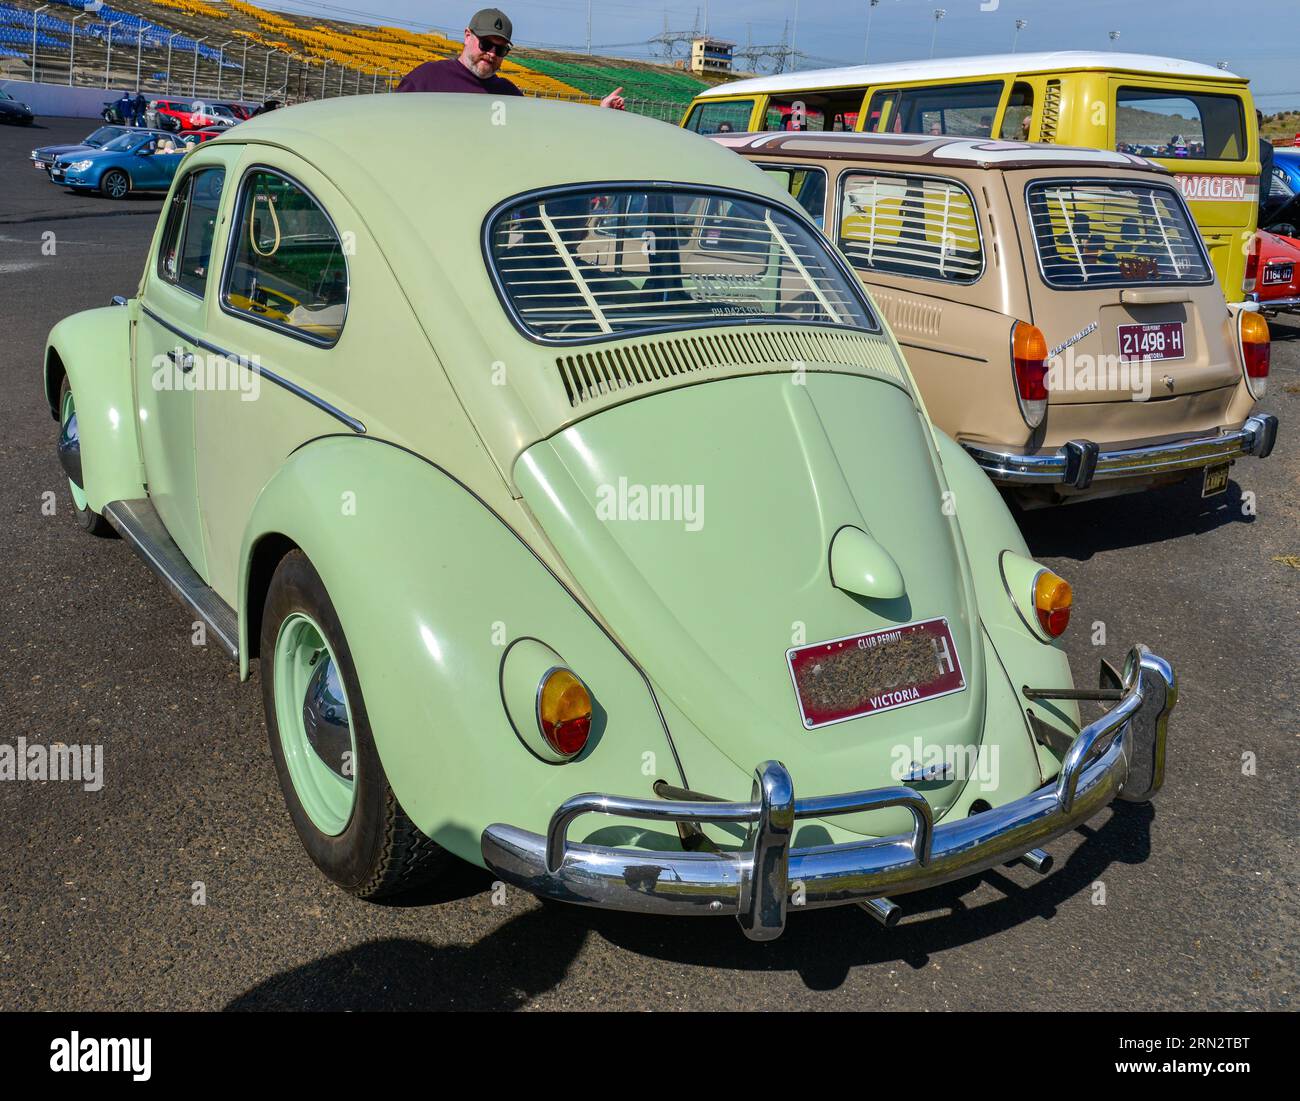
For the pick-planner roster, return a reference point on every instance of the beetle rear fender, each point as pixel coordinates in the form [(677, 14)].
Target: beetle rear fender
[(431, 587), (93, 349), (988, 529)]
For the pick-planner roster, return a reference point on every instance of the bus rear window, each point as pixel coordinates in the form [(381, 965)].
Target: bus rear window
[(1199, 126)]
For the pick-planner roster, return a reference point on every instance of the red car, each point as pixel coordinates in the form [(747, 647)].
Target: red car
[(1274, 263)]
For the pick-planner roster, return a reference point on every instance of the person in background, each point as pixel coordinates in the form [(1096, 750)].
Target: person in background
[(139, 106), (125, 108), (487, 41)]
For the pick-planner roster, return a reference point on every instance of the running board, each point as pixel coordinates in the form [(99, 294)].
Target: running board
[(139, 524)]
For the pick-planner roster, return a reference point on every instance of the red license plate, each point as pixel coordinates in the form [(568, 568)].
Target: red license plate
[(1163, 340), (846, 678)]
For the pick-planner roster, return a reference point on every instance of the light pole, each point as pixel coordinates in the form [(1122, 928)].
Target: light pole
[(866, 42), (939, 13), (72, 48), (266, 73), (139, 55), (108, 57), (221, 62), (169, 60), (343, 72), (1221, 65), (243, 69), (34, 15), (324, 72), (1021, 24), (194, 78), (1114, 37), (589, 26)]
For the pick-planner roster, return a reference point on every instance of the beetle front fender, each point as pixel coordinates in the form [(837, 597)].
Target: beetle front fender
[(93, 348), (431, 587)]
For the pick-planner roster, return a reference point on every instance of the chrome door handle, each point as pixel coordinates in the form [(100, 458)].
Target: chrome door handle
[(183, 360)]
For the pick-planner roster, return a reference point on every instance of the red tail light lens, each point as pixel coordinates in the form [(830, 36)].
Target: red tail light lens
[(1029, 363), (1255, 351), (1053, 599), (1252, 266), (564, 712)]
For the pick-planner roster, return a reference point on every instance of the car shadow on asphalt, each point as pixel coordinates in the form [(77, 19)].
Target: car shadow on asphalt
[(531, 954), (508, 968), (1114, 523), (823, 946)]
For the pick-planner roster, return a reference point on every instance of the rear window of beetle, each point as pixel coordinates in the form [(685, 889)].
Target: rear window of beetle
[(1102, 234), (592, 264)]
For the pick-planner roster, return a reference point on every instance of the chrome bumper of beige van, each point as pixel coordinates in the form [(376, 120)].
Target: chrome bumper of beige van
[(1119, 756), (1081, 462)]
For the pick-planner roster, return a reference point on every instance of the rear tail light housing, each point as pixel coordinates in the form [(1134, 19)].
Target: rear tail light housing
[(1252, 266), (564, 712), (1053, 599), (1256, 349), (1029, 371)]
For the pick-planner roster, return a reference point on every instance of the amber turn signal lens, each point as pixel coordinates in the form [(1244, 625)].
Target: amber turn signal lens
[(1053, 598), (564, 712), (1255, 351)]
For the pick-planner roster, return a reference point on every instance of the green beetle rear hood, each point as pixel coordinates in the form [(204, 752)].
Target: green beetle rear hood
[(699, 520)]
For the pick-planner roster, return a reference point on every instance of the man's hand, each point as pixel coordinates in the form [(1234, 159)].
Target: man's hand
[(614, 100)]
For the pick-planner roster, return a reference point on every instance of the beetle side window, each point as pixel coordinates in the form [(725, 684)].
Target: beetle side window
[(920, 226), (169, 252), (287, 268)]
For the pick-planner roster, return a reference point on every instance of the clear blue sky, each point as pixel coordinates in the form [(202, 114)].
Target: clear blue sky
[(1257, 38)]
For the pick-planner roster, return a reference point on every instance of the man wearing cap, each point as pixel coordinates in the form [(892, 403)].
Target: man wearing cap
[(487, 41)]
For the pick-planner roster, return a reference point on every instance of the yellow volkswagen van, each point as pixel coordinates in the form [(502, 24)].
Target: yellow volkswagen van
[(1197, 121)]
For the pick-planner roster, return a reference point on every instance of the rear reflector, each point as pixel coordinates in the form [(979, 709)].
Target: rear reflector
[(1255, 351), (1029, 365)]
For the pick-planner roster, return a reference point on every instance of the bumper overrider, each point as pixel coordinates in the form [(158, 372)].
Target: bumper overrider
[(1081, 462), (1119, 756)]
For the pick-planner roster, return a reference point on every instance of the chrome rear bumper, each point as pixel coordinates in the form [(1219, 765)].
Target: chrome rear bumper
[(1120, 755), (1081, 462)]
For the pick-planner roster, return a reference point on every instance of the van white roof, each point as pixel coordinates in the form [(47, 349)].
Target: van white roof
[(902, 72)]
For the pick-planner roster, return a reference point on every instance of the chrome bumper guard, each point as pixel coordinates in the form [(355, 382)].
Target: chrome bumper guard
[(1120, 755), (1081, 462)]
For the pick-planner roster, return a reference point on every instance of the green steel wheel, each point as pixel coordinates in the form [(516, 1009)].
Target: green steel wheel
[(70, 460), (334, 784)]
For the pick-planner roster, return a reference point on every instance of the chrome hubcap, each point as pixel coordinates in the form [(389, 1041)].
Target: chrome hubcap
[(70, 451), (314, 724)]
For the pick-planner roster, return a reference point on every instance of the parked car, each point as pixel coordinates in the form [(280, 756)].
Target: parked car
[(15, 111), (44, 157), (140, 160), (1197, 120), (214, 115), (1056, 305), (1286, 167), (1275, 266), (172, 114), (477, 569)]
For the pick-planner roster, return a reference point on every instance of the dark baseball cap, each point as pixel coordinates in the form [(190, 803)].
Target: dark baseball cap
[(491, 23)]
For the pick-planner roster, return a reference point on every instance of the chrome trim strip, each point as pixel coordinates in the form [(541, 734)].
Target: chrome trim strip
[(1050, 467), (293, 388), (1266, 304), (1120, 755)]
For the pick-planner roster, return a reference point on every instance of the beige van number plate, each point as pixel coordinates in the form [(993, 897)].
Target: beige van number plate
[(1163, 340)]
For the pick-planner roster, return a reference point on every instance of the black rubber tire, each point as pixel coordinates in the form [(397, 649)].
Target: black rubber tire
[(106, 191), (87, 517), (380, 852)]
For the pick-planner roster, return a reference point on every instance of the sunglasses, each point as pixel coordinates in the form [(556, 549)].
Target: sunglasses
[(492, 48)]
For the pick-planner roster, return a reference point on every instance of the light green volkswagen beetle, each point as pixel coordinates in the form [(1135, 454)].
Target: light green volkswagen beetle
[(585, 520)]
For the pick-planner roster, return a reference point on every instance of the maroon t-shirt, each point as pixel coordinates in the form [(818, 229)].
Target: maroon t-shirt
[(450, 75)]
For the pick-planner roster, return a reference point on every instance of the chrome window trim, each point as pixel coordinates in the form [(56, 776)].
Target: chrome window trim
[(187, 181), (595, 186), (846, 172), (241, 198), (292, 387), (1111, 181)]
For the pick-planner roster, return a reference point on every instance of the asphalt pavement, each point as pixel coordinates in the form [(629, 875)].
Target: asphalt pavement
[(1190, 902)]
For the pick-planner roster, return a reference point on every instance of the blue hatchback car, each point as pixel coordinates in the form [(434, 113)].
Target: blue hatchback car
[(141, 160)]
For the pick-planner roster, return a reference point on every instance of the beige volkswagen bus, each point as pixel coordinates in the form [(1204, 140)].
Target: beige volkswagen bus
[(1196, 120)]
